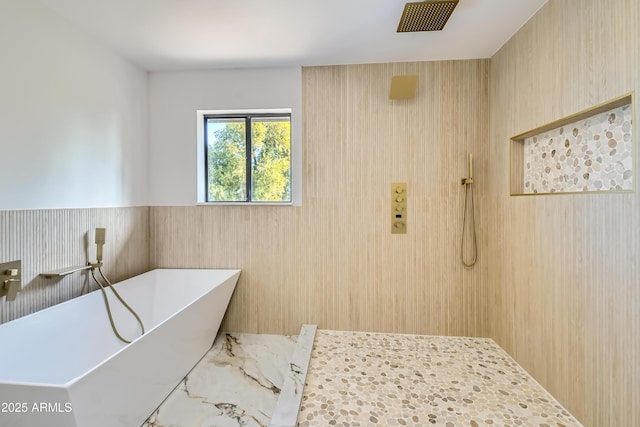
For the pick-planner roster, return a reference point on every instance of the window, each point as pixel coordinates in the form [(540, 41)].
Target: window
[(248, 157)]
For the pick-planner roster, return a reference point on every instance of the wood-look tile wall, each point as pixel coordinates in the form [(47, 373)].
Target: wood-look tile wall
[(333, 261), (564, 293), (51, 239)]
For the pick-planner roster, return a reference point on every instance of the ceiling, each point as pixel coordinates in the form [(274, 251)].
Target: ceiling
[(196, 34)]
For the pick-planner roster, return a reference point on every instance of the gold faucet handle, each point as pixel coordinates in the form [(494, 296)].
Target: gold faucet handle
[(10, 280), (12, 287)]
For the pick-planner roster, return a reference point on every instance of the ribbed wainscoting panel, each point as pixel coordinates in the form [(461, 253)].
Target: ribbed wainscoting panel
[(564, 271), (333, 261), (51, 239)]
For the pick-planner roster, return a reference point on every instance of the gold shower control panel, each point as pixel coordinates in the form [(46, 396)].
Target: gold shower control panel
[(399, 208)]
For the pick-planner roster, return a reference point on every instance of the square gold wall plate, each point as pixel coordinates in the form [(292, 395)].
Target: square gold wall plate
[(403, 87)]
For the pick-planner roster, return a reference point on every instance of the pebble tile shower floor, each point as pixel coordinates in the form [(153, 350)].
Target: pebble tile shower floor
[(365, 379)]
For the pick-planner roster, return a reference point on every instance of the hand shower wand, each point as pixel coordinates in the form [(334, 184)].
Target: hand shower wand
[(468, 194), (100, 240)]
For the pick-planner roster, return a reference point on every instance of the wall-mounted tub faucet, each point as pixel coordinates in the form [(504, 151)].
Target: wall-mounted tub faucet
[(10, 279), (100, 239)]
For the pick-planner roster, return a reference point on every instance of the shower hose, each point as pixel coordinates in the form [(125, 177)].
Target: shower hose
[(106, 302), (468, 196)]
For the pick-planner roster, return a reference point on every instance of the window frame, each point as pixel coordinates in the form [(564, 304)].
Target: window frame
[(248, 116)]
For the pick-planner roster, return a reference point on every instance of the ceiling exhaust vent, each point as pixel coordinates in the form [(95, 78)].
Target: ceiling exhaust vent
[(426, 16)]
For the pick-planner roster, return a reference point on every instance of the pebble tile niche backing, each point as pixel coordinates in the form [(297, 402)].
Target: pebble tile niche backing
[(593, 154)]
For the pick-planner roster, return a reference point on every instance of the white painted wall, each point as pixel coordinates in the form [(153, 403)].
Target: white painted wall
[(73, 116), (174, 98)]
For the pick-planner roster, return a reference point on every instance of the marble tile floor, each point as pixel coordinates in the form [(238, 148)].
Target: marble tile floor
[(244, 380), (366, 379)]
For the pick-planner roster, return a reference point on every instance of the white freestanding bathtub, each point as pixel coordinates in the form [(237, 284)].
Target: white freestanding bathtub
[(64, 367)]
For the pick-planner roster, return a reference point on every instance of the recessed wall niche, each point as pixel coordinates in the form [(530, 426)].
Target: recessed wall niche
[(590, 151)]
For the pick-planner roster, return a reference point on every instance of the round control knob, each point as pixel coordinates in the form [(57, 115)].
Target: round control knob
[(399, 208), (399, 190), (399, 199), (398, 224)]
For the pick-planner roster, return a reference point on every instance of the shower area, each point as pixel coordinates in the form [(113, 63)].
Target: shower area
[(334, 259), (358, 274)]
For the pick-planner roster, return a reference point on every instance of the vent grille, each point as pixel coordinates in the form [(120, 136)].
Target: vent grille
[(426, 16)]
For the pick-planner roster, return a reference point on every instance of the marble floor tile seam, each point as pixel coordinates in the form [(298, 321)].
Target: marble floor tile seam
[(285, 413)]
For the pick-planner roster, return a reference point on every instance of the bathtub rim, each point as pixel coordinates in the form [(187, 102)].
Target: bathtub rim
[(233, 272)]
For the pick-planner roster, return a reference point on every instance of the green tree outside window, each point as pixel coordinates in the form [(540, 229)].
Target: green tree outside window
[(265, 175)]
